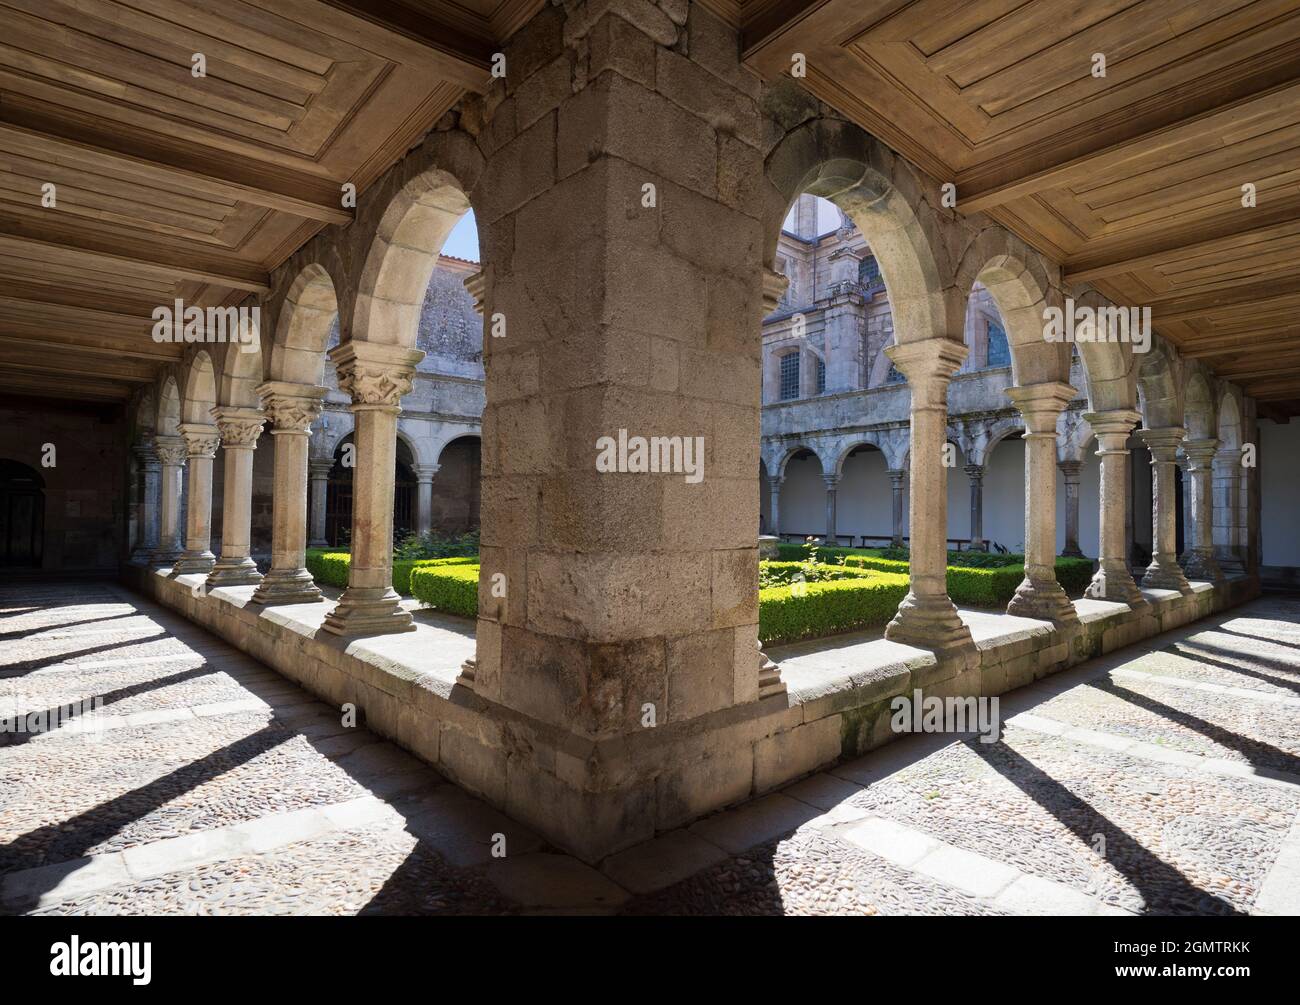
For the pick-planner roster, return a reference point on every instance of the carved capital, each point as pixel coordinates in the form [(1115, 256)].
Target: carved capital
[(375, 375), (240, 427), (1041, 404), (171, 450), (291, 408), (201, 439)]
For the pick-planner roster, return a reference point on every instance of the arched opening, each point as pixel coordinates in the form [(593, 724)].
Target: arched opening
[(338, 498), (22, 516), (864, 508), (454, 506), (803, 497)]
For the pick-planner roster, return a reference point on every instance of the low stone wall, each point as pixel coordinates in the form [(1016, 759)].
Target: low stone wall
[(595, 797)]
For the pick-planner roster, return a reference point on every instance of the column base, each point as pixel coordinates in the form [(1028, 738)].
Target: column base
[(928, 623), (1042, 601), (194, 561), (234, 572), (1116, 584), (368, 611), (318, 543), (287, 586), (1201, 565), (1073, 552), (1165, 575)]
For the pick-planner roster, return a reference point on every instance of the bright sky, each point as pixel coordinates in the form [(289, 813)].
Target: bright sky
[(828, 217), (462, 242)]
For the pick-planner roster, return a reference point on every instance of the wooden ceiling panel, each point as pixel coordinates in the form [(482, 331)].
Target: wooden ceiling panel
[(167, 184), (1133, 180)]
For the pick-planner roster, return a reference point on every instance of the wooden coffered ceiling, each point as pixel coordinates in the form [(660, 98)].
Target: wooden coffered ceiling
[(168, 185), (1132, 180)]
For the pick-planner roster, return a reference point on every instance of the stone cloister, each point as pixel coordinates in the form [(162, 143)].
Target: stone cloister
[(630, 178), (1005, 328)]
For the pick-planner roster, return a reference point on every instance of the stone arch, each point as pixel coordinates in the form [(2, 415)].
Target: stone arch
[(401, 257), (307, 313), (1001, 430), (1199, 408), (465, 434), (1021, 287), (1229, 422), (1159, 378), (852, 444), (169, 408), (200, 389), (799, 448), (1108, 366), (885, 198), (241, 373)]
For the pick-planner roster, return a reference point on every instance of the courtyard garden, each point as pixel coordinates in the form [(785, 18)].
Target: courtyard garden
[(806, 592)]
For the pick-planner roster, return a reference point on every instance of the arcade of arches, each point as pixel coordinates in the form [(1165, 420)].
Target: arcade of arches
[(919, 326)]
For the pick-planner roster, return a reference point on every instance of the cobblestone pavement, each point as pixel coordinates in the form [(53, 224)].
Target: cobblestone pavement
[(1164, 778)]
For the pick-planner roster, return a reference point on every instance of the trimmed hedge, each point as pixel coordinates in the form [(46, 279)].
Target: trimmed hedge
[(828, 607), (989, 587), (447, 586), (799, 552), (331, 567)]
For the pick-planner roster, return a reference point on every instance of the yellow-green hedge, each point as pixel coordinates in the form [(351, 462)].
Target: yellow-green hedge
[(448, 587), (331, 567), (787, 614)]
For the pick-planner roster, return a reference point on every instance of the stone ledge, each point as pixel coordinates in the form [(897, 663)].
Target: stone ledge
[(595, 797)]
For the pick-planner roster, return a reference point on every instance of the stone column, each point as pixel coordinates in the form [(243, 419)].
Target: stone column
[(1227, 503), (376, 376), (1164, 572), (1189, 518), (150, 505), (320, 477), (832, 483), (1040, 595), (202, 441), (424, 497), (896, 481), (171, 453), (240, 428), (1201, 563), (1113, 581), (774, 486), (291, 408), (1070, 471), (927, 617), (975, 472)]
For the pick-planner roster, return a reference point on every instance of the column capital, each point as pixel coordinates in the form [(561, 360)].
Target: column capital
[(896, 474), (201, 439), (774, 287), (1070, 469), (832, 482), (928, 366), (240, 427), (974, 471), (170, 449), (425, 472), (321, 469), (1114, 422), (1041, 404), (1200, 453), (290, 407), (1163, 442), (373, 374)]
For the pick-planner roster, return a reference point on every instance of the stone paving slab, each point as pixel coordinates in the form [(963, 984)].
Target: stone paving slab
[(1169, 752)]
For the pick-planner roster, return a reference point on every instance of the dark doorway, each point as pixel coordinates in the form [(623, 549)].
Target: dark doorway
[(338, 497), (22, 515)]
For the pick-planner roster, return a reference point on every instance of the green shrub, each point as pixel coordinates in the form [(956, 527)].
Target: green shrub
[(811, 610), (331, 567), (1074, 574), (435, 545), (795, 552), (450, 588)]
